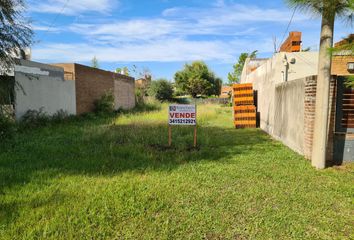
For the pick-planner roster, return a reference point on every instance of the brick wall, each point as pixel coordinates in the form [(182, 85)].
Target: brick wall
[(309, 116), (124, 92), (92, 83), (339, 65)]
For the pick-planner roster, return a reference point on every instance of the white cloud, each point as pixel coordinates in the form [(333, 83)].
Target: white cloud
[(220, 20), (127, 30), (219, 3), (150, 29), (72, 7), (45, 28), (168, 50), (179, 34), (230, 15)]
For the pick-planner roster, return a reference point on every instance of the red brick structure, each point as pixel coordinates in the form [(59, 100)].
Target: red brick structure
[(340, 65), (292, 43), (92, 83), (309, 116), (342, 58), (226, 91)]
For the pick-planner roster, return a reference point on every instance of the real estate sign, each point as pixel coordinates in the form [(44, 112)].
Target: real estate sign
[(181, 114)]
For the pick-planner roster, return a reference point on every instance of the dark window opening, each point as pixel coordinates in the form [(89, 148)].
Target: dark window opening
[(345, 107), (296, 43)]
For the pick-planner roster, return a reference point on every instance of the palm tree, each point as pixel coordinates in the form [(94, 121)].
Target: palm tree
[(329, 10)]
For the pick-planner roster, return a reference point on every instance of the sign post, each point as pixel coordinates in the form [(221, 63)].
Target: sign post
[(182, 114)]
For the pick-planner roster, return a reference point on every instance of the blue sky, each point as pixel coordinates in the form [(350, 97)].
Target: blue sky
[(162, 35)]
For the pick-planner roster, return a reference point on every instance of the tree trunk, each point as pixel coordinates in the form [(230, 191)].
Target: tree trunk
[(320, 137)]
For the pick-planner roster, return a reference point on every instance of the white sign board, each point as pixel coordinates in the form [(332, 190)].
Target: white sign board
[(181, 114)]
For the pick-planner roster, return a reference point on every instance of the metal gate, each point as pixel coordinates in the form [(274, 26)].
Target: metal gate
[(344, 135)]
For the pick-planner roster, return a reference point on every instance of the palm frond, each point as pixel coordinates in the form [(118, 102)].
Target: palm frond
[(341, 8)]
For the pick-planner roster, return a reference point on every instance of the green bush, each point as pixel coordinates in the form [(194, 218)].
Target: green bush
[(60, 116), (35, 118), (139, 96), (105, 104), (7, 128), (161, 89)]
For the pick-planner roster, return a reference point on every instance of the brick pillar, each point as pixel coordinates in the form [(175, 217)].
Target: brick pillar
[(309, 116)]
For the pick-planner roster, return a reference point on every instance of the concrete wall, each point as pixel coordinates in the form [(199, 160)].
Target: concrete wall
[(289, 114), (286, 102), (43, 86), (279, 83), (283, 67)]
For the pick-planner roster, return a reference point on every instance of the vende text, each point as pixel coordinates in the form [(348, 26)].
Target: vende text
[(182, 115)]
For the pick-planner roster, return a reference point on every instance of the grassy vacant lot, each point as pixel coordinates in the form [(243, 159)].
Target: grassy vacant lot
[(116, 179)]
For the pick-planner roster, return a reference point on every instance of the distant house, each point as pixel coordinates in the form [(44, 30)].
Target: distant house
[(292, 43), (92, 83), (226, 91), (143, 83), (285, 85)]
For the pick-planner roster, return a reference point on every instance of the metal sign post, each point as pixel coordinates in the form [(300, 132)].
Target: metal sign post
[(182, 114)]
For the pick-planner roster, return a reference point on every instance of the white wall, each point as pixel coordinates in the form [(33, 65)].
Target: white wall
[(275, 68), (280, 92), (43, 86)]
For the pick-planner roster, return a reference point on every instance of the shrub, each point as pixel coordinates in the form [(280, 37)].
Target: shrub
[(105, 104), (7, 128), (60, 116), (161, 89), (35, 118), (139, 96)]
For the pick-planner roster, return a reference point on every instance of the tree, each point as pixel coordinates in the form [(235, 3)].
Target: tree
[(216, 90), (94, 62), (15, 36), (161, 89), (235, 76), (124, 71), (15, 33), (196, 79), (346, 47), (328, 10)]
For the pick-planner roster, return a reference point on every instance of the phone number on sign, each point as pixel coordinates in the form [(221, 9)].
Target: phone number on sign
[(182, 121)]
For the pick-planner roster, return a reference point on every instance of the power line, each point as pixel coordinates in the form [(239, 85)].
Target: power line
[(56, 17), (303, 59), (287, 28)]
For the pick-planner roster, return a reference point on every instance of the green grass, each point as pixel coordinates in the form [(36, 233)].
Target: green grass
[(117, 179)]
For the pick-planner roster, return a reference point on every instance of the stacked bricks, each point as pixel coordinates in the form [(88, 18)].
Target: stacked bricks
[(244, 108), (310, 110)]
